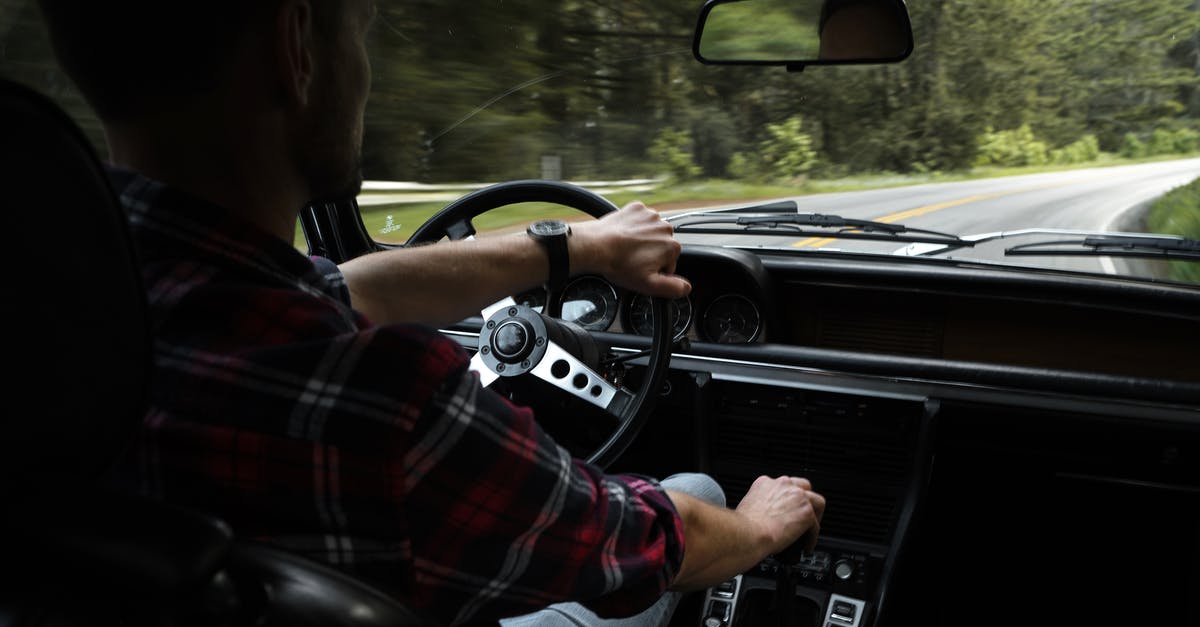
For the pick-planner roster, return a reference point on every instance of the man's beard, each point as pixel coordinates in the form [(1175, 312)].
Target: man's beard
[(332, 184), (330, 153)]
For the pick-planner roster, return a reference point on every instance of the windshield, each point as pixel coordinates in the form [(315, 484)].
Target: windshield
[(1023, 117)]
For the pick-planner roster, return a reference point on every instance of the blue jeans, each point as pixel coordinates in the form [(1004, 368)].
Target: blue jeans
[(658, 615)]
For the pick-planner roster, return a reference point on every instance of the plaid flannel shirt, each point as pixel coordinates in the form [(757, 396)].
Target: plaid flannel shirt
[(372, 448)]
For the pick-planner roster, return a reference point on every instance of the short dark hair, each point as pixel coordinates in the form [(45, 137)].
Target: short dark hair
[(830, 7), (133, 57)]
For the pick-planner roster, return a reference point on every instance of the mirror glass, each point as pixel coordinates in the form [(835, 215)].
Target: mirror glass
[(805, 31)]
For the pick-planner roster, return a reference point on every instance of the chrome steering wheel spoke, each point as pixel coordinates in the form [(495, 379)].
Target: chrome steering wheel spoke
[(486, 375), (564, 371)]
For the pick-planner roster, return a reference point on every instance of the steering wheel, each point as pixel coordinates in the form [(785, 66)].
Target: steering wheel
[(518, 341)]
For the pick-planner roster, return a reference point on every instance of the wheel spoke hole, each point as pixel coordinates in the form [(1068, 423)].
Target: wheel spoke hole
[(560, 369), (580, 381)]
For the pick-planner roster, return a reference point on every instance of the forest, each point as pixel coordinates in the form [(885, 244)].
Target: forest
[(485, 90), (611, 88)]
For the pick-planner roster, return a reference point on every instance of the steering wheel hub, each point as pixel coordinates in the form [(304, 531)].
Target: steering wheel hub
[(513, 341)]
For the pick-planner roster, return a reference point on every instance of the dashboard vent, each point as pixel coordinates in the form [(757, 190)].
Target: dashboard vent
[(856, 450), (881, 332), (873, 320)]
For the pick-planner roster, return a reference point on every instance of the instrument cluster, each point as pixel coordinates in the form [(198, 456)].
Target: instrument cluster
[(722, 316)]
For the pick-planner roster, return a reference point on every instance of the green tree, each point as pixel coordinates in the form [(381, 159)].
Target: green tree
[(672, 149), (787, 152)]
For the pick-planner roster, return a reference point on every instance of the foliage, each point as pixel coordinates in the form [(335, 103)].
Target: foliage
[(1084, 150), (1017, 147), (1185, 141), (480, 91), (1160, 142), (1178, 213), (672, 150), (786, 153), (1132, 147)]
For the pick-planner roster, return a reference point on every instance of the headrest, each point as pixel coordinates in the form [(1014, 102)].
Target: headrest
[(75, 326)]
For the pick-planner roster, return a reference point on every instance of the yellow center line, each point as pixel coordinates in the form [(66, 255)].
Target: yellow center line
[(819, 242), (920, 211)]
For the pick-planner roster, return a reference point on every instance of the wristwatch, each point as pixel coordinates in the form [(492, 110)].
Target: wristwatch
[(552, 235)]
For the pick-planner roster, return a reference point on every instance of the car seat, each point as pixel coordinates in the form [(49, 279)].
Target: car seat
[(78, 351)]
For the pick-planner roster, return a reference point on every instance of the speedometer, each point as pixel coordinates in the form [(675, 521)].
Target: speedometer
[(591, 303), (641, 318), (731, 319)]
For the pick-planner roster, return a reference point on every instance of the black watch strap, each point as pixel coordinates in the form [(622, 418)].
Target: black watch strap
[(552, 235)]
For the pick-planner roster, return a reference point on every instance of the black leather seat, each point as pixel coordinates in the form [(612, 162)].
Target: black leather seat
[(78, 351)]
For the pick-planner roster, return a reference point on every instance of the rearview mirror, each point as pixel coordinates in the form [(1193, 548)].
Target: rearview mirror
[(799, 33)]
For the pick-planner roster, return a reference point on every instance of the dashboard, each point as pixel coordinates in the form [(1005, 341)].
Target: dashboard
[(968, 425), (909, 309)]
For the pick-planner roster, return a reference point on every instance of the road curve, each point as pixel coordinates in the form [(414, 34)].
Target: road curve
[(1091, 199)]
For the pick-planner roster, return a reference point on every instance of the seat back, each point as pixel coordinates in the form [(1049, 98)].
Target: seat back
[(75, 313), (79, 356)]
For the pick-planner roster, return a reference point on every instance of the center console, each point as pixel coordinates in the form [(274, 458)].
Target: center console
[(864, 454), (831, 587)]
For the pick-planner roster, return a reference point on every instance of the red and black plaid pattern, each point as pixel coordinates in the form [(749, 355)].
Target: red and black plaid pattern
[(372, 448)]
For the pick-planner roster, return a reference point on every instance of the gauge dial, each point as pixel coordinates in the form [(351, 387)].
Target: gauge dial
[(534, 299), (591, 303), (641, 315), (732, 319)]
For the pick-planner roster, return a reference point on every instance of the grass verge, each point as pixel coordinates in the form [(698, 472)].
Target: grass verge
[(1178, 213), (395, 223)]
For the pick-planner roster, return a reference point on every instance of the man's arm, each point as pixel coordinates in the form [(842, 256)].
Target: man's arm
[(720, 543), (449, 281)]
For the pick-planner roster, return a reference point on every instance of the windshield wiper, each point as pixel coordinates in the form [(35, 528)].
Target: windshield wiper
[(1114, 246), (774, 220)]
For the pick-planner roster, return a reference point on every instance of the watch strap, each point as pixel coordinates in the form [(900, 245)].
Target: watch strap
[(554, 241), (560, 262)]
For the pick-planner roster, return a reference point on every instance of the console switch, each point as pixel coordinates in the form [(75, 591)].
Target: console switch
[(720, 604), (843, 611), (718, 610)]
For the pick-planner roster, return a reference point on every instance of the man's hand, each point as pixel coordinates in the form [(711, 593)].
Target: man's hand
[(784, 509), (634, 248), (720, 542)]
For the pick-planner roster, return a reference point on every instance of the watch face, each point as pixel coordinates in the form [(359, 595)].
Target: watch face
[(549, 228)]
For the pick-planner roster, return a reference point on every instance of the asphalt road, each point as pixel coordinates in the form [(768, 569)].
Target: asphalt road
[(1104, 199)]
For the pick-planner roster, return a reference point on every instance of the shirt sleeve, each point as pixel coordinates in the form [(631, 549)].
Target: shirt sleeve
[(333, 277), (503, 521)]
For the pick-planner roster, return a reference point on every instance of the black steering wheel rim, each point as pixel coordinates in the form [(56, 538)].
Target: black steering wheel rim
[(455, 222)]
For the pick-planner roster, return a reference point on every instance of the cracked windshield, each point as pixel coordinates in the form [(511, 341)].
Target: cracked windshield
[(1018, 132)]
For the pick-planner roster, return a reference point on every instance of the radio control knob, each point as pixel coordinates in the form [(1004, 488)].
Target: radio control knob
[(843, 570)]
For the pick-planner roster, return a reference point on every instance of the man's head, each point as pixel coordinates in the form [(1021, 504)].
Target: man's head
[(862, 30), (141, 62)]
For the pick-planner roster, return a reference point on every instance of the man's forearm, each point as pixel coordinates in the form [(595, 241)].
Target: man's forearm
[(438, 284), (720, 543), (442, 283)]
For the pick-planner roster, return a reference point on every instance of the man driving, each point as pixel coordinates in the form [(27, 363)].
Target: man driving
[(316, 407)]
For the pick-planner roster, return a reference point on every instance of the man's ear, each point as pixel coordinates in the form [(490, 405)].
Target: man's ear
[(294, 50)]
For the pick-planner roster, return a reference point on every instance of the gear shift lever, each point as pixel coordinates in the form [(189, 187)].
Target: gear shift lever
[(785, 581)]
